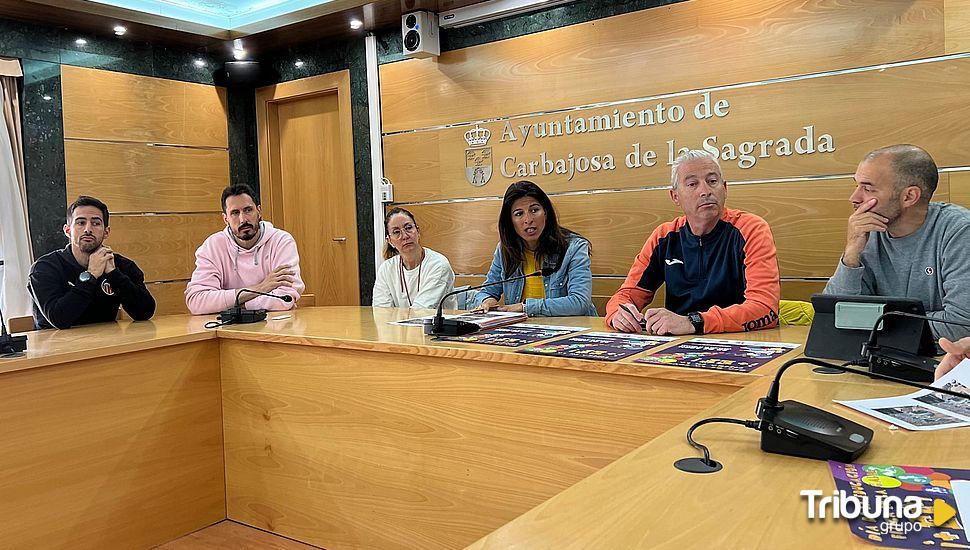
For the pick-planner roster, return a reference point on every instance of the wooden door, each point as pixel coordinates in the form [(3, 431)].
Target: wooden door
[(307, 182)]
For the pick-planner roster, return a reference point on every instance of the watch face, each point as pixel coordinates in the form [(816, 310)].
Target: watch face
[(85, 276), (696, 320)]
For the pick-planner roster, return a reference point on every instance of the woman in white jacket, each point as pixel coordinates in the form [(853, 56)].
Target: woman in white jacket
[(411, 276)]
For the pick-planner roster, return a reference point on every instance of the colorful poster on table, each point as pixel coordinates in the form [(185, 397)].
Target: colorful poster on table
[(513, 336), (599, 346), (867, 481), (713, 354)]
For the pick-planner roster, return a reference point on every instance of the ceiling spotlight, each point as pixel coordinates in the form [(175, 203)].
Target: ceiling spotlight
[(200, 63), (47, 98), (299, 64), (356, 24), (80, 41), (120, 30)]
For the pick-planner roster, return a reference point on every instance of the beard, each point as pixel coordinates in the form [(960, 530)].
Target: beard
[(891, 211), (89, 246), (246, 231)]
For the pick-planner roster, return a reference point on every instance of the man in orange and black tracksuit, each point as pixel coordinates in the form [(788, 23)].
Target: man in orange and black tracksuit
[(719, 265)]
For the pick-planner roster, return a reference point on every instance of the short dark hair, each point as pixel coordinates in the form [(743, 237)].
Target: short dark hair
[(84, 200), (238, 189), (912, 165)]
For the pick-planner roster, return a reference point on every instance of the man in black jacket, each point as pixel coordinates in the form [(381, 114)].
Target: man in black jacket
[(86, 282)]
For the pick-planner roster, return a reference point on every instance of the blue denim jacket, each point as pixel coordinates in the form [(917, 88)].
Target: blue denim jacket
[(569, 290)]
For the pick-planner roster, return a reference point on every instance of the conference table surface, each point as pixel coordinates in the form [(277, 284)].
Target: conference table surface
[(624, 493), (642, 501), (360, 328)]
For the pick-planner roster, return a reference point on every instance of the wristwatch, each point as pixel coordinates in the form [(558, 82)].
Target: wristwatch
[(85, 276), (697, 320)]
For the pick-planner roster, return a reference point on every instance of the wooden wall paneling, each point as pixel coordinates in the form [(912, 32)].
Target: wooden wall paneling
[(105, 105), (359, 449), (163, 246), (137, 177), (893, 103), (807, 219), (683, 46), (126, 451), (957, 18), (465, 232), (169, 297), (960, 188), (801, 289)]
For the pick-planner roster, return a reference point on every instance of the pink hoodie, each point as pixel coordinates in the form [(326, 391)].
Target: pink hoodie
[(222, 267)]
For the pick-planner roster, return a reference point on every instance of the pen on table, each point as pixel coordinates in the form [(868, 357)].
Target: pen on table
[(642, 322)]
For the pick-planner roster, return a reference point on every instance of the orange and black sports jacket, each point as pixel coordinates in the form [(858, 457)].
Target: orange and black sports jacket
[(729, 275)]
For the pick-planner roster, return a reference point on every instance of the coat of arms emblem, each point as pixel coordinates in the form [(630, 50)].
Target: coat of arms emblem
[(478, 157)]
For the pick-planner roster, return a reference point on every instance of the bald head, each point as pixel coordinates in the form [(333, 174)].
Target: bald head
[(911, 166)]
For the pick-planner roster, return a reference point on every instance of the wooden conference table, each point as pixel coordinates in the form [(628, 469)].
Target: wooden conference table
[(338, 429)]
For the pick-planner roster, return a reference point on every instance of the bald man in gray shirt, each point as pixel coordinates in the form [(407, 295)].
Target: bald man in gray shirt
[(898, 243)]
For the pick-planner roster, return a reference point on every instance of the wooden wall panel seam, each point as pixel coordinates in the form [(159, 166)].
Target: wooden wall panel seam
[(149, 143), (683, 93), (593, 192)]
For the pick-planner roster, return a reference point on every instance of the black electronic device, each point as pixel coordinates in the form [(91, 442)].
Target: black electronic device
[(885, 359), (798, 429), (439, 326), (239, 315), (11, 345), (843, 323)]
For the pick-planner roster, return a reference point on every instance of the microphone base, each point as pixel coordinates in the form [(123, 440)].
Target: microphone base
[(797, 429), (242, 316), (698, 466), (450, 327), (13, 345), (902, 365)]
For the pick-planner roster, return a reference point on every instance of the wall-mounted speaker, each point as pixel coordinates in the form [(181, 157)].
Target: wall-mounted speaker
[(419, 34)]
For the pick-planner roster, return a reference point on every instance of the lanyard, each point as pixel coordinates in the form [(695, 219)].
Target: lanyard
[(404, 282)]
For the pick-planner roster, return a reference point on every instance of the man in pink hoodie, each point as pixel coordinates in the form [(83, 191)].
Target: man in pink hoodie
[(249, 253)]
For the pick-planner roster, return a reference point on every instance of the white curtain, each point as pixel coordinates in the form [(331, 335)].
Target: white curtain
[(14, 233)]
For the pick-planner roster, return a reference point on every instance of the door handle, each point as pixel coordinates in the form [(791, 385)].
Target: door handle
[(339, 239)]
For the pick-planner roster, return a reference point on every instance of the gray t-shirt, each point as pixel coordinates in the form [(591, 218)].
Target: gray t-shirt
[(932, 264)]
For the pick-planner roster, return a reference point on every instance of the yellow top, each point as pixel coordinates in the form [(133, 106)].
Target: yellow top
[(533, 285)]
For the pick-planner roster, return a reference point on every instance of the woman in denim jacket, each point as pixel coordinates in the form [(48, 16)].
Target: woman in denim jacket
[(531, 239)]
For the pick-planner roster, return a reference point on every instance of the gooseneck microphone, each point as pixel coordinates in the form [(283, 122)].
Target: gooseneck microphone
[(440, 326), (883, 359), (239, 315), (10, 345), (798, 429)]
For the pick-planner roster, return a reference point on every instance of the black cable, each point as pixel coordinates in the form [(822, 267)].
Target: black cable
[(753, 424), (215, 324)]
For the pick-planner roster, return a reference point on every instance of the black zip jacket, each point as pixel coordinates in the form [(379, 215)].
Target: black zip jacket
[(61, 300)]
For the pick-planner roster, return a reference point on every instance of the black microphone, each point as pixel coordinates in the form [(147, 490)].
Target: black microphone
[(440, 326), (889, 360), (238, 314), (797, 429), (11, 346)]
